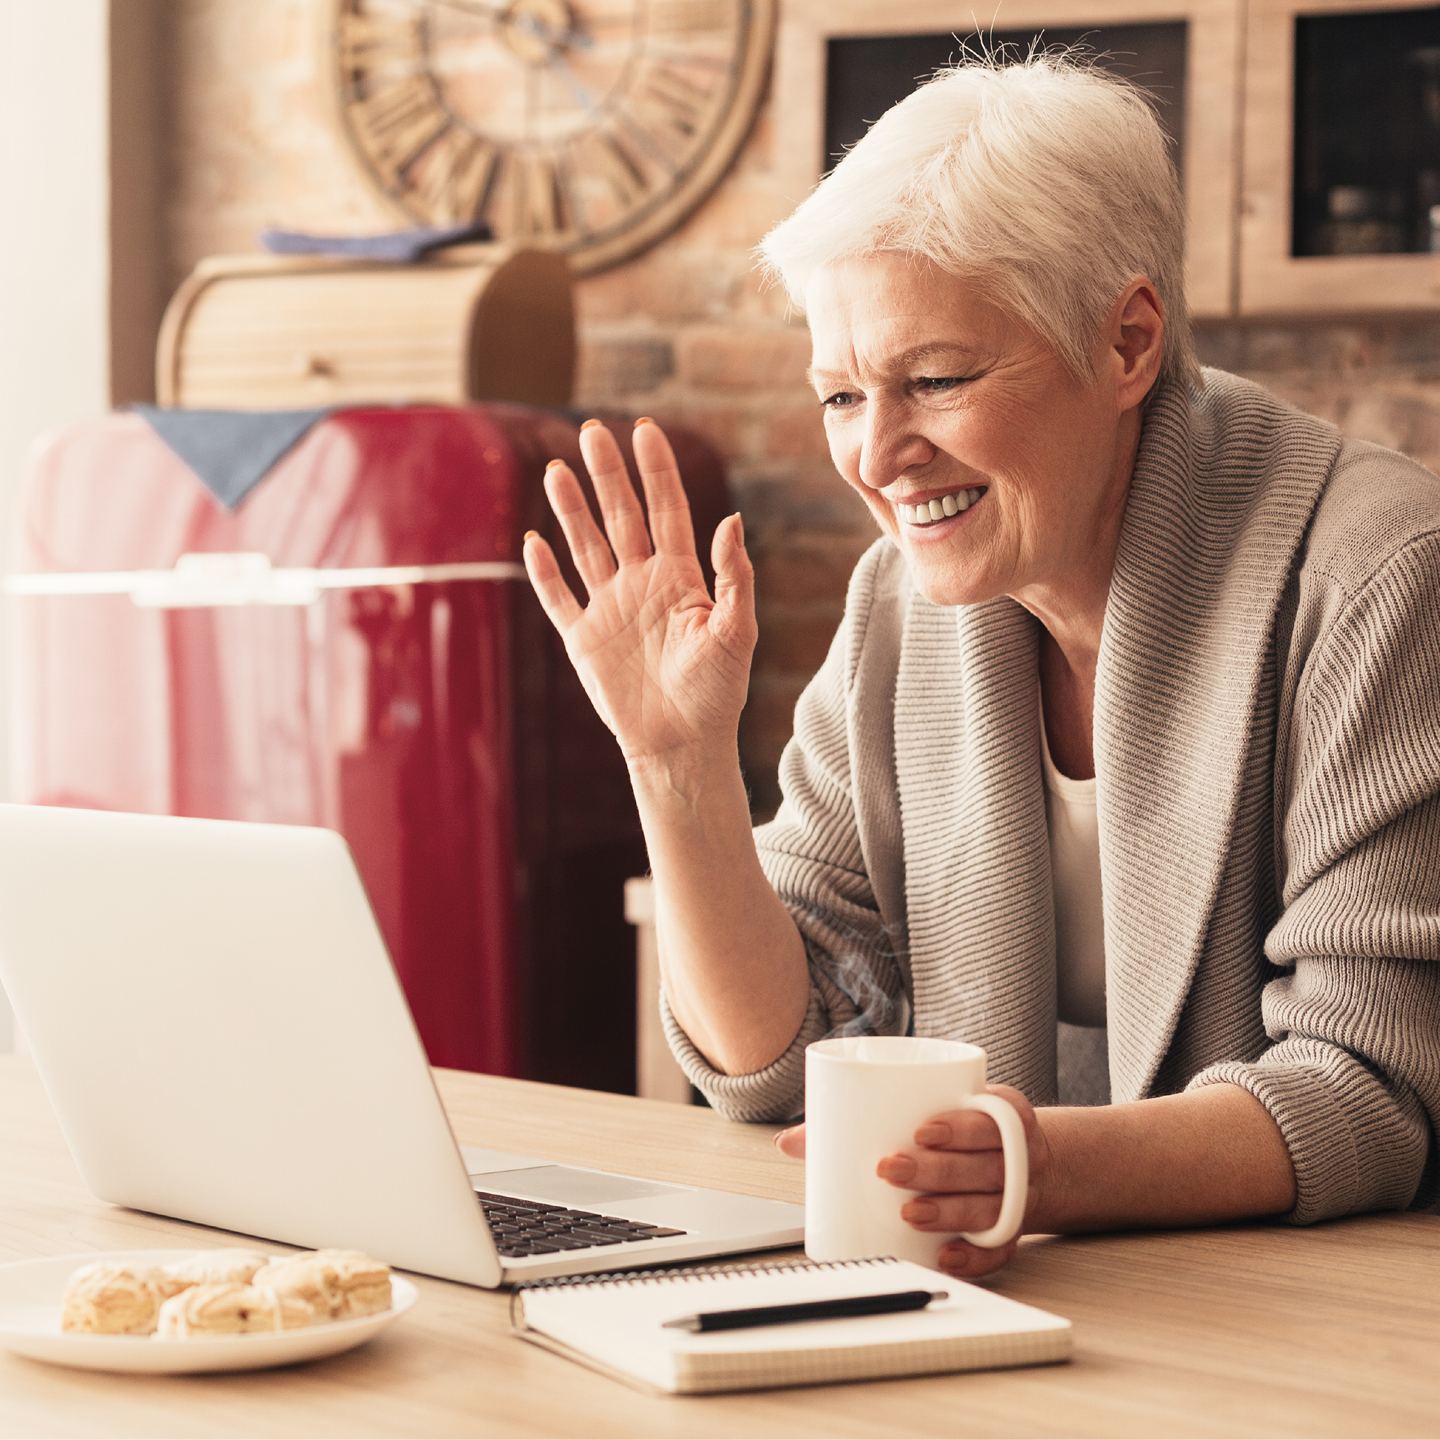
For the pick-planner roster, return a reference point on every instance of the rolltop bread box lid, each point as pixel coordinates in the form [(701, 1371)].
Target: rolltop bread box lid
[(276, 332)]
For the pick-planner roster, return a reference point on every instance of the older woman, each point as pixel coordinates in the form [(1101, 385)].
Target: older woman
[(1132, 727)]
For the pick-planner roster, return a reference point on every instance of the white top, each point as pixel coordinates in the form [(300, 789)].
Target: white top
[(1075, 868)]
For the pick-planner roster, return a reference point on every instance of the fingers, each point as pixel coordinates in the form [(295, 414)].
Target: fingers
[(670, 525), (791, 1142), (946, 1214), (588, 547), (961, 1192), (968, 1262), (554, 594), (959, 1167), (967, 1172), (733, 618), (619, 507)]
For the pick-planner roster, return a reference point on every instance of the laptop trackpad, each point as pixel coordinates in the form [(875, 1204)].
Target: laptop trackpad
[(565, 1185)]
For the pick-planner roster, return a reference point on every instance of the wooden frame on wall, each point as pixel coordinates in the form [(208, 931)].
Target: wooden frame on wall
[(1212, 126), (1272, 280)]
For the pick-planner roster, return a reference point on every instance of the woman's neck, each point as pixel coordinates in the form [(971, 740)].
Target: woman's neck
[(1072, 613), (1067, 702)]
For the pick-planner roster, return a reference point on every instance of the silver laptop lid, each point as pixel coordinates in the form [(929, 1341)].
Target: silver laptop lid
[(220, 1030)]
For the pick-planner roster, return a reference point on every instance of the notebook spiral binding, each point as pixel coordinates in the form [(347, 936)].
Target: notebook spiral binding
[(698, 1272)]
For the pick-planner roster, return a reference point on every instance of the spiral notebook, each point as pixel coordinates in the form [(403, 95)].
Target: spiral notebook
[(616, 1323)]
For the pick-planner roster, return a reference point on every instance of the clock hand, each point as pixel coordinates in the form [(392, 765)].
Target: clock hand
[(556, 62), (552, 40), (572, 82)]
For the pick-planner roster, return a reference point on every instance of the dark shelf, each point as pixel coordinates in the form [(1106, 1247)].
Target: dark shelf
[(866, 75)]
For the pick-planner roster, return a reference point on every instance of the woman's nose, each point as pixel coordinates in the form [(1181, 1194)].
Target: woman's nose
[(891, 446)]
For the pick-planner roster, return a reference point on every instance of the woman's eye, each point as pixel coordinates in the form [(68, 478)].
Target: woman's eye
[(938, 384), (838, 401)]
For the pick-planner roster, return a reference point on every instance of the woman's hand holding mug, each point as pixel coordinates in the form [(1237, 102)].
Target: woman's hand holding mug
[(909, 1153)]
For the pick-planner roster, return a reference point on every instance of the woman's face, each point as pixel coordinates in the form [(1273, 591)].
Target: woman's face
[(938, 403)]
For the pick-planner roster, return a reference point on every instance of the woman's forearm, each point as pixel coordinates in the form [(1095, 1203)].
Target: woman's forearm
[(732, 961), (1199, 1158)]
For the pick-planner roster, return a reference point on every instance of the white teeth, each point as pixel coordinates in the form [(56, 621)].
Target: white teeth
[(929, 511)]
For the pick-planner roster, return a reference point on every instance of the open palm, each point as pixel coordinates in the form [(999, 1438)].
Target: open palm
[(665, 665)]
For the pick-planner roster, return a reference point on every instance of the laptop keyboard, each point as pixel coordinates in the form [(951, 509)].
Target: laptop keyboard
[(531, 1227)]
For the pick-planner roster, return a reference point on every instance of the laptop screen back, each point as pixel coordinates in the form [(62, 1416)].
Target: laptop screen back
[(222, 1035)]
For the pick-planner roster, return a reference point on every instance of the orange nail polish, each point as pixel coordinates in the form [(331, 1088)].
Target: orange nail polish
[(531, 535), (552, 464), (643, 420), (589, 423)]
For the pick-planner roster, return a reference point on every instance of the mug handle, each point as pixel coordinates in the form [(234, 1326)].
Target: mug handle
[(1017, 1171)]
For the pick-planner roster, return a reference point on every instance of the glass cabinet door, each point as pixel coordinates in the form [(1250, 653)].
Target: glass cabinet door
[(1340, 198)]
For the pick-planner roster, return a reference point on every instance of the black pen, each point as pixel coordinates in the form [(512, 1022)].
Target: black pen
[(809, 1310)]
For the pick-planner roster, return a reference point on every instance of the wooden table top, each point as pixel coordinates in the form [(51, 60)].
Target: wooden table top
[(1252, 1330)]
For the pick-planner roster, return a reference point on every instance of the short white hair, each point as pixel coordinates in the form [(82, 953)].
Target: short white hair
[(1048, 181)]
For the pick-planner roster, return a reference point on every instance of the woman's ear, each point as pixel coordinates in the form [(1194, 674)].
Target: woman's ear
[(1135, 342)]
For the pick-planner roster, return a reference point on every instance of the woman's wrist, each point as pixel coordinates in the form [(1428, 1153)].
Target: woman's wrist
[(1050, 1181), (686, 778), (1202, 1157)]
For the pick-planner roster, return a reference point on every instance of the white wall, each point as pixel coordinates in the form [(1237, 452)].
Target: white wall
[(54, 246)]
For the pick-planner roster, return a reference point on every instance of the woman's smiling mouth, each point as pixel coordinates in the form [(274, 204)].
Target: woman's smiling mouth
[(929, 512)]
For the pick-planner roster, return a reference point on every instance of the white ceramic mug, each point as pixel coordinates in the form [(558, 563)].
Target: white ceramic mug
[(865, 1097)]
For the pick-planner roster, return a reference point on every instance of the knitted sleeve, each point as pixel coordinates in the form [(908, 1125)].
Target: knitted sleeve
[(1352, 1076)]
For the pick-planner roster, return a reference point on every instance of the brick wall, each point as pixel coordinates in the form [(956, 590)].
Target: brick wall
[(686, 332), (1377, 379)]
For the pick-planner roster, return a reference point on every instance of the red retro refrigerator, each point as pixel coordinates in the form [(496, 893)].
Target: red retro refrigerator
[(354, 646)]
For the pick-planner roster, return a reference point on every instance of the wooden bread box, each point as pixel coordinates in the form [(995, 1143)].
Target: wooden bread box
[(281, 332)]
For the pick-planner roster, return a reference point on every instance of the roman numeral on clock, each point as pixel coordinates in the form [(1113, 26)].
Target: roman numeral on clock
[(684, 17), (400, 120), (457, 175), (541, 207), (364, 38), (619, 166), (673, 97)]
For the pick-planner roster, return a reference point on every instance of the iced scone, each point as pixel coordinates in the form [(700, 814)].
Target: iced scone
[(231, 1310), (340, 1284), (109, 1299), (218, 1267)]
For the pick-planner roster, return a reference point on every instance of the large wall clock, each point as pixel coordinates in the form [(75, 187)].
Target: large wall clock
[(588, 126)]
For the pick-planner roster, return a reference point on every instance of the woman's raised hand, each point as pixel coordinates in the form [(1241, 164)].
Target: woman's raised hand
[(666, 666)]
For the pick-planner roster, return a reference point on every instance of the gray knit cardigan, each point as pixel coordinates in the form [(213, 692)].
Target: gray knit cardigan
[(1267, 756)]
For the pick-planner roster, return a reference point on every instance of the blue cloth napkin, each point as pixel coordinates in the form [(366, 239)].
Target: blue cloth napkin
[(404, 246), (231, 451)]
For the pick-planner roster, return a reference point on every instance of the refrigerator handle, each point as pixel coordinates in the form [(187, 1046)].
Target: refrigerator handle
[(203, 581)]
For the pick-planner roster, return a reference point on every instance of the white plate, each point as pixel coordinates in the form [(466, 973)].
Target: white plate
[(31, 1292)]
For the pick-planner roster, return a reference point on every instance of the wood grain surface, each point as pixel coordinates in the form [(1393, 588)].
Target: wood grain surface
[(1255, 1330), (274, 332)]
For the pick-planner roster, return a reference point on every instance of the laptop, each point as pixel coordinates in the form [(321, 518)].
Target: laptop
[(222, 1035)]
